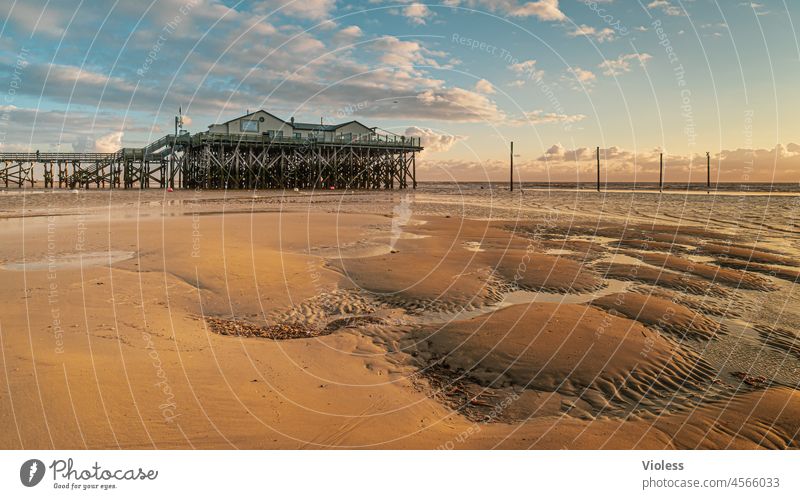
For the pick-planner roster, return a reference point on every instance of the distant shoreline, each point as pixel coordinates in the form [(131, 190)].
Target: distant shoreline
[(674, 187)]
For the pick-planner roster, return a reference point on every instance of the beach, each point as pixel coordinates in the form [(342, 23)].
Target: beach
[(436, 318)]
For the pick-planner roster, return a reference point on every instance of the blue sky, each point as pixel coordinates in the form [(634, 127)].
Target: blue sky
[(556, 77)]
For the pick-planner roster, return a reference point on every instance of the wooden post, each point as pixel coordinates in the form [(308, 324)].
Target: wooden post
[(511, 176), (414, 169), (708, 173), (598, 168), (661, 173)]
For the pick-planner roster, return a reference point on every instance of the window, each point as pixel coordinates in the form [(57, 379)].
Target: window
[(248, 126), (298, 135)]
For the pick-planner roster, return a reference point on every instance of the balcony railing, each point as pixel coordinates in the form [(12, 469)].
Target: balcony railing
[(344, 139)]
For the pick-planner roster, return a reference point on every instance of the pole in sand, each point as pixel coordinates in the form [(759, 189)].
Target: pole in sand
[(708, 173), (511, 172), (661, 173), (598, 168)]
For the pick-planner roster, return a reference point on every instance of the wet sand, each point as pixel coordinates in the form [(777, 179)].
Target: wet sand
[(398, 320)]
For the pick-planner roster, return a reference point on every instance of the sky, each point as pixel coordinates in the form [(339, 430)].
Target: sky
[(637, 78)]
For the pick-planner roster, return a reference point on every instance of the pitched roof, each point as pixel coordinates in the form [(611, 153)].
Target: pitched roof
[(298, 125), (315, 126)]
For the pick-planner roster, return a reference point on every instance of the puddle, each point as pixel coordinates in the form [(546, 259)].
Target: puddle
[(363, 250), (518, 297), (558, 251), (701, 258), (71, 261), (410, 235), (473, 246), (622, 258), (523, 297)]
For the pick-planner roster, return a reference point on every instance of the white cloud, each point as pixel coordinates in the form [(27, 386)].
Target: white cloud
[(403, 53), (583, 75), (758, 8), (622, 64), (315, 10), (417, 13), (347, 35), (666, 7), (602, 35), (434, 141), (458, 104), (484, 87), (580, 79), (545, 10), (111, 142), (540, 117), (526, 69)]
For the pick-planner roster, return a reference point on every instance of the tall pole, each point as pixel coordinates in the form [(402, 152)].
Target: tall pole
[(598, 168), (661, 173), (708, 173), (511, 175)]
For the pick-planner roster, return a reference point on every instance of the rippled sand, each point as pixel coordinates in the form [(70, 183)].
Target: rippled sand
[(428, 319)]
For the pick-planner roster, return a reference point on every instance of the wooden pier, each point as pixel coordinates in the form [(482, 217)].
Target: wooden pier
[(225, 161)]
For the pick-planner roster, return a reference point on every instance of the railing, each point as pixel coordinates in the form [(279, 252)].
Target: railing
[(47, 157), (367, 140), (164, 144)]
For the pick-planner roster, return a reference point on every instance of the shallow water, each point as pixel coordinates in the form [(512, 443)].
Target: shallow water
[(70, 261)]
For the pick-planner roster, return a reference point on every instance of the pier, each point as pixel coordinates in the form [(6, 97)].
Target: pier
[(307, 157)]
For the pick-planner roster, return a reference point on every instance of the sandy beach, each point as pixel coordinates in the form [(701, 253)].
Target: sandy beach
[(432, 319)]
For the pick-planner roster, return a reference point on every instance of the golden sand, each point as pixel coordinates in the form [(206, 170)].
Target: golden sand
[(388, 320)]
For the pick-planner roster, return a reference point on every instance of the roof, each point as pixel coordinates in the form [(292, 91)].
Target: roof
[(314, 126), (297, 125)]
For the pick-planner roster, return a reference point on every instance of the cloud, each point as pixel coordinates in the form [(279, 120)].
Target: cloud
[(580, 79), (111, 142), (540, 117), (458, 104), (666, 7), (47, 19), (781, 163), (484, 87), (602, 35), (55, 130), (622, 64), (403, 53), (348, 35), (315, 10), (527, 69), (758, 8), (417, 13), (434, 141), (545, 10)]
